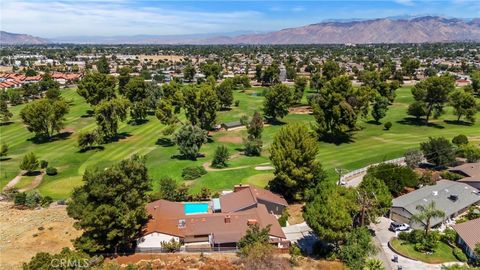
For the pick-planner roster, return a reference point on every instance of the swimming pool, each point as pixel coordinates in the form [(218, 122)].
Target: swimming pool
[(195, 208)]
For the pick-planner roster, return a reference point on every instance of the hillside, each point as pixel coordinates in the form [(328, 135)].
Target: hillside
[(416, 30), (20, 39)]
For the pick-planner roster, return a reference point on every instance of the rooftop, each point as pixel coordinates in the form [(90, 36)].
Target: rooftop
[(449, 196), (470, 232)]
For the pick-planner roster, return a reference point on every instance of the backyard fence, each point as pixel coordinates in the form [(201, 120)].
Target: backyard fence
[(357, 172)]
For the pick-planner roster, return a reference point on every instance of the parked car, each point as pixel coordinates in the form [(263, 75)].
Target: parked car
[(399, 227)]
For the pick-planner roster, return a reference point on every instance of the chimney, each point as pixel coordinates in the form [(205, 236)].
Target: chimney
[(239, 187), (227, 219), (251, 222)]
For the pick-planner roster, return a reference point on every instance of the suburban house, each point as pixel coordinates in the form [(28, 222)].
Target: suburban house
[(471, 173), (213, 225), (451, 197), (468, 236)]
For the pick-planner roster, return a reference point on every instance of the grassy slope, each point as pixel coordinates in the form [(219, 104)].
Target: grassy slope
[(371, 144)]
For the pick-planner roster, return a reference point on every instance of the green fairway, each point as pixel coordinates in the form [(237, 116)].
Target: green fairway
[(370, 144)]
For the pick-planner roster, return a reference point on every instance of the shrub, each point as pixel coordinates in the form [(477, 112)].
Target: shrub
[(451, 176), (282, 220), (404, 236), (43, 164), (20, 198), (171, 246), (253, 147), (51, 171), (46, 201), (237, 103), (295, 252), (458, 253), (449, 236), (190, 173), (220, 157), (387, 125), (469, 151), (428, 243), (460, 140)]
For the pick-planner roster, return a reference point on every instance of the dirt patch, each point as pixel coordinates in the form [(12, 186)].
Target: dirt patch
[(181, 261), (23, 233), (296, 214), (231, 139), (301, 110), (311, 264)]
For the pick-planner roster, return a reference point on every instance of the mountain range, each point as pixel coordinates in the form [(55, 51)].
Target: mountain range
[(387, 30)]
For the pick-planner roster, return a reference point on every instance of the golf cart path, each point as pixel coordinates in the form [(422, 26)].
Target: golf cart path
[(14, 181)]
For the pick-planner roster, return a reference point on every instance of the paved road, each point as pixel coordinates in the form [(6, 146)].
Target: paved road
[(383, 235)]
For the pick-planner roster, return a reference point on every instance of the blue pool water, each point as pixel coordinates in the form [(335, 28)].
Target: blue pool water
[(195, 208)]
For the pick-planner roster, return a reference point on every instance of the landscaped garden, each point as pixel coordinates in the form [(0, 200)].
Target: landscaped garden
[(370, 144), (443, 253)]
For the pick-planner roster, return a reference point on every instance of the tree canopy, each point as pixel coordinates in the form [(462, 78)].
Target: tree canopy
[(95, 87), (110, 207), (293, 154), (44, 117)]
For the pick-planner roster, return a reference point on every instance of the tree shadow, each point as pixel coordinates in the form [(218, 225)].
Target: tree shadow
[(225, 109), (97, 147), (6, 123), (275, 122), (337, 139), (151, 113), (373, 122), (458, 122), (34, 173), (57, 137), (5, 158), (165, 142), (122, 135), (88, 113), (418, 122), (137, 122), (183, 157)]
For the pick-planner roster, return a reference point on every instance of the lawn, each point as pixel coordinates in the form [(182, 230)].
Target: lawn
[(370, 144), (442, 254)]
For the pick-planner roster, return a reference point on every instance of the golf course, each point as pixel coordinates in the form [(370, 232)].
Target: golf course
[(370, 144)]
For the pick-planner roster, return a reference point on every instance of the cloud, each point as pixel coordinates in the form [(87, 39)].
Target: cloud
[(113, 17)]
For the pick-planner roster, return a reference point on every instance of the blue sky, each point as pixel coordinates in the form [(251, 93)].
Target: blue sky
[(54, 18)]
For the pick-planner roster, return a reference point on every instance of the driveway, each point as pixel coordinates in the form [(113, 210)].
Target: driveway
[(302, 235), (383, 235)]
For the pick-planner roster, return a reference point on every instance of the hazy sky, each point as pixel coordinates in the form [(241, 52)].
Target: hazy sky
[(51, 18)]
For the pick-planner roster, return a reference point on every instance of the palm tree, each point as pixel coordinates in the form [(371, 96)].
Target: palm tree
[(374, 264), (426, 214)]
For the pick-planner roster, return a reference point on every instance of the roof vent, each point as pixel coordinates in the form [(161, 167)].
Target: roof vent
[(453, 198), (227, 219), (181, 223)]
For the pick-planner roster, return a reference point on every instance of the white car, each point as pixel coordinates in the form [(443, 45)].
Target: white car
[(399, 227)]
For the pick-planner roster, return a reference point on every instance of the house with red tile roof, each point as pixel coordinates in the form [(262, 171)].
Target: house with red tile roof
[(214, 225)]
